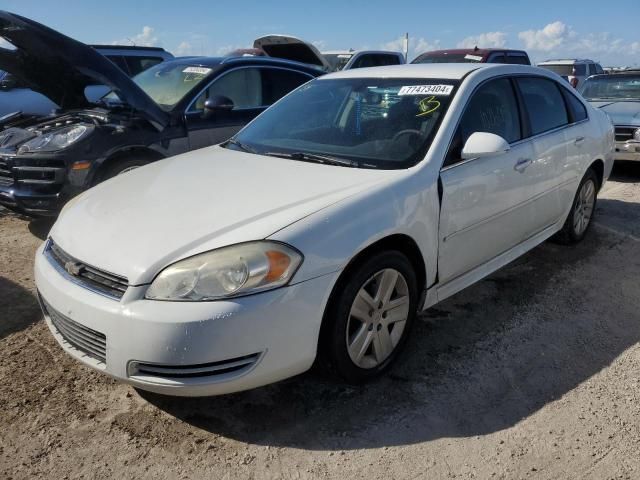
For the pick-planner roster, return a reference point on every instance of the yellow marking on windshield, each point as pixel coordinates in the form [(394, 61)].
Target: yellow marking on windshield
[(427, 106)]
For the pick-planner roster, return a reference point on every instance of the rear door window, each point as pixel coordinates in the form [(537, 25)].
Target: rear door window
[(276, 83), (544, 103)]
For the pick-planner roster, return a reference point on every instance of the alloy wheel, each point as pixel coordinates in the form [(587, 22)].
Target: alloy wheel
[(377, 318), (584, 207)]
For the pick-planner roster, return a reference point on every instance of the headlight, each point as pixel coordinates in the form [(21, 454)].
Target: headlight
[(57, 140), (228, 272), (636, 134)]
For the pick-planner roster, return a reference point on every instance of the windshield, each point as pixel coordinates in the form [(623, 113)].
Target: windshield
[(168, 83), (337, 60), (372, 122), (448, 58), (614, 86)]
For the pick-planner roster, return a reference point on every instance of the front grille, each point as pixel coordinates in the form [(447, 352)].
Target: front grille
[(235, 366), (87, 341), (31, 171), (625, 133), (89, 277)]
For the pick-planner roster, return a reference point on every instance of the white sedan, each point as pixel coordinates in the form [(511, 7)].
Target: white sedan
[(320, 230)]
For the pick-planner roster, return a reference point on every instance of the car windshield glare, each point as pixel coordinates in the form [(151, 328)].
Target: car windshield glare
[(168, 83), (618, 87), (374, 122)]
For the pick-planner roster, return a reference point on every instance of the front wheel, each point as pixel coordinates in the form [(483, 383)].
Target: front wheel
[(369, 317), (581, 215)]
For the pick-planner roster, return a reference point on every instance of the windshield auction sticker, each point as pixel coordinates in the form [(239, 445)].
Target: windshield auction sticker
[(426, 90), (198, 70)]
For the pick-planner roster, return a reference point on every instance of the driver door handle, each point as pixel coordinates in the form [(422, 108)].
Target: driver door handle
[(522, 164), (579, 141)]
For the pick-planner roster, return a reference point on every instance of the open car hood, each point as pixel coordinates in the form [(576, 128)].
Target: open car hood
[(61, 68), (291, 48)]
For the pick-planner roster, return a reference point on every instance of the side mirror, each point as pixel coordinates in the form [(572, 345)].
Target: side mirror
[(484, 144), (217, 104)]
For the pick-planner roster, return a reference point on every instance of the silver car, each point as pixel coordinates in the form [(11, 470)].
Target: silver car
[(619, 96)]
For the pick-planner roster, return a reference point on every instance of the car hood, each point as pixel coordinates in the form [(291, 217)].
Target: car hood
[(137, 223), (61, 68), (291, 48), (621, 113)]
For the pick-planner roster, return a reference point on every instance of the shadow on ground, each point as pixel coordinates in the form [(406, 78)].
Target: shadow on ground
[(478, 363), (18, 307), (625, 172)]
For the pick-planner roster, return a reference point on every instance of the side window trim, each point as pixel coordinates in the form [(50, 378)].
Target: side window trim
[(188, 110)]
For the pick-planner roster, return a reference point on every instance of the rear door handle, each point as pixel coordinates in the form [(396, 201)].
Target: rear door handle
[(522, 164), (579, 141)]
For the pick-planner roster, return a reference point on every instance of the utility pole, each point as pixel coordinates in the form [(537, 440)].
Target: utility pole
[(406, 47)]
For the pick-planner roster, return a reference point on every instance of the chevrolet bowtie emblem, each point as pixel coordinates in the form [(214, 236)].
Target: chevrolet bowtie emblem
[(74, 268)]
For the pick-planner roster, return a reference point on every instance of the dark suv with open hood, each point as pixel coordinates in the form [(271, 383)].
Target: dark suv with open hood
[(170, 108)]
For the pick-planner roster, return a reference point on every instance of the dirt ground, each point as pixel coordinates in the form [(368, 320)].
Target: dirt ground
[(532, 373)]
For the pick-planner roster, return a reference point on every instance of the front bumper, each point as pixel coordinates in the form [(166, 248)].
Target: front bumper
[(30, 203), (278, 329), (629, 150)]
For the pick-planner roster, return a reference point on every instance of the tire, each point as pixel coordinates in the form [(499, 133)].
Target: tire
[(122, 165), (584, 204), (354, 350)]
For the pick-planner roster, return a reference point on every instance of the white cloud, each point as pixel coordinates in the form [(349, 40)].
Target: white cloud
[(146, 38), (485, 40), (550, 37), (319, 44), (184, 49), (416, 46)]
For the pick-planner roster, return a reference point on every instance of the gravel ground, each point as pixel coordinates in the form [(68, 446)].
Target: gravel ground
[(532, 373)]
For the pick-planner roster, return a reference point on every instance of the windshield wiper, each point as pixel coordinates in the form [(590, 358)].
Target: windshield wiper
[(316, 158), (240, 145)]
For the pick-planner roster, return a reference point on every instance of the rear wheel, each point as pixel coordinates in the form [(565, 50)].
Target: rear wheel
[(369, 317), (581, 215)]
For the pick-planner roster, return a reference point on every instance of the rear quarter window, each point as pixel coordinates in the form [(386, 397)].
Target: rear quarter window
[(577, 110)]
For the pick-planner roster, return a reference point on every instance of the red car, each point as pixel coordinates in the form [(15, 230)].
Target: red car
[(475, 55)]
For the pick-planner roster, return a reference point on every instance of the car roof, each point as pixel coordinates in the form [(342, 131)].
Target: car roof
[(566, 61), (452, 71), (444, 71), (353, 52), (213, 62), (472, 51)]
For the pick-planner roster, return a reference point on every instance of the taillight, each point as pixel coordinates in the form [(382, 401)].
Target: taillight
[(574, 82)]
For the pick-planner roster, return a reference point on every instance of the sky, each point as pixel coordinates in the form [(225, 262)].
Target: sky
[(604, 31)]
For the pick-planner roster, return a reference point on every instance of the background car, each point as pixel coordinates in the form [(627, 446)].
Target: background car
[(16, 96), (618, 95), (170, 108), (317, 233), (573, 70), (475, 55), (292, 48), (348, 59)]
